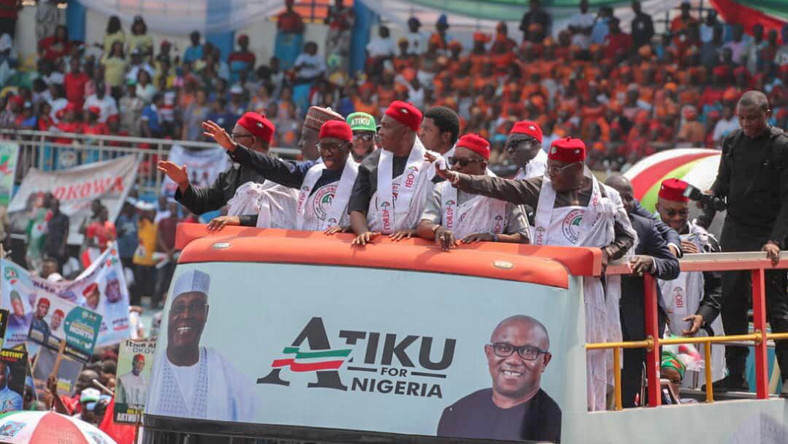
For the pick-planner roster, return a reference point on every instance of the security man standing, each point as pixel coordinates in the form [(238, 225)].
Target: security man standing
[(753, 178)]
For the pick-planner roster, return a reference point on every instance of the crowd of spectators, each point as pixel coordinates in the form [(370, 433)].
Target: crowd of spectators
[(626, 95)]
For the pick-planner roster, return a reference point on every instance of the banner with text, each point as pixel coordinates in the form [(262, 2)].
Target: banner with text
[(202, 166), (134, 363), (101, 288), (9, 155), (76, 188), (422, 354)]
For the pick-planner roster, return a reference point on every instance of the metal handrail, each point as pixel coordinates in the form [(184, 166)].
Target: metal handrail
[(755, 262)]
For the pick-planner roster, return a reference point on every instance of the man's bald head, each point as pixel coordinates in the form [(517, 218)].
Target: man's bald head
[(624, 188), (526, 323), (755, 98)]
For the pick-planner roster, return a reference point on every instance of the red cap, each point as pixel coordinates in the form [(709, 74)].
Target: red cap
[(71, 106), (337, 130), (44, 301), (19, 100), (60, 312), (673, 189), (528, 128), (741, 70), (243, 37), (258, 125), (405, 113), (95, 110), (89, 289), (567, 150), (165, 43), (721, 70), (475, 143)]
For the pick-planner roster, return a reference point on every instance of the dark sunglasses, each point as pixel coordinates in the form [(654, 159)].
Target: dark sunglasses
[(463, 162)]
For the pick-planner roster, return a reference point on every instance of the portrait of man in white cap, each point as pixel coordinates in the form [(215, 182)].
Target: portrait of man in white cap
[(190, 380)]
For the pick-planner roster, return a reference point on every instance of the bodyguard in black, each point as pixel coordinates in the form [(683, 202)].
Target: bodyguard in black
[(753, 178)]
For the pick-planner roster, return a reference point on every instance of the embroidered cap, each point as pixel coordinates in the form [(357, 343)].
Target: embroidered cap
[(475, 143), (405, 113), (258, 125), (673, 189), (43, 301), (317, 116), (192, 281), (336, 130), (528, 128), (567, 150)]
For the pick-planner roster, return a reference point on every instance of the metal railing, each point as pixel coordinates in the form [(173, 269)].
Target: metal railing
[(39, 149), (754, 262)]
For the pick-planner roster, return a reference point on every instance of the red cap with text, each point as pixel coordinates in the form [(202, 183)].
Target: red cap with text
[(258, 125), (567, 150), (336, 130), (475, 143), (405, 113), (673, 190), (528, 128)]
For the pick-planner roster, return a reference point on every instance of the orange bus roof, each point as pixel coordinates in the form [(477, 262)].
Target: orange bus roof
[(515, 262)]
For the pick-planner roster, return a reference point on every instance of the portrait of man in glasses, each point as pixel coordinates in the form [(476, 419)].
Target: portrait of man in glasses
[(515, 407), (191, 380)]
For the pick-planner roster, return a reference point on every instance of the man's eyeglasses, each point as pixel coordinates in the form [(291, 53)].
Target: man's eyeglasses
[(331, 147), (504, 350), (364, 136), (193, 307), (236, 136), (554, 170), (463, 162)]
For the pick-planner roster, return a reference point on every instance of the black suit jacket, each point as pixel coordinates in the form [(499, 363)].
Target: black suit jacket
[(666, 267)]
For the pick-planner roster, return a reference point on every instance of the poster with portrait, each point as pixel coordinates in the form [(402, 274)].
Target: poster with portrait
[(135, 361), (13, 373), (102, 288), (401, 359), (19, 290), (56, 319), (9, 154)]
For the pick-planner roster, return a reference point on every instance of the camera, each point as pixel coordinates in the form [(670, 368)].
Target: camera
[(706, 200)]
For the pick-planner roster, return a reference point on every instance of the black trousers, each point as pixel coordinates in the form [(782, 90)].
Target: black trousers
[(737, 297)]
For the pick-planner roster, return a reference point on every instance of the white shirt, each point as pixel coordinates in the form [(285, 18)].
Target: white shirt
[(380, 47), (107, 105), (134, 388), (580, 20), (311, 65), (416, 43)]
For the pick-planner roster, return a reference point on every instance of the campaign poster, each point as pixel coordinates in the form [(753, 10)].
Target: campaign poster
[(13, 373), (19, 292), (67, 374), (363, 349), (203, 166), (9, 154), (75, 188), (102, 288), (135, 361), (55, 320)]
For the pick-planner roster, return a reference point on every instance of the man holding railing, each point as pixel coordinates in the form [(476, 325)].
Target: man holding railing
[(753, 178)]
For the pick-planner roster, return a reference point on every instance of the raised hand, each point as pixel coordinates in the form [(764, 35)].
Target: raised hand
[(211, 129), (177, 174)]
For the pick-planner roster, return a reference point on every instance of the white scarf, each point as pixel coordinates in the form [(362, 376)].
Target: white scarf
[(592, 226), (681, 297), (479, 214), (274, 204), (337, 196), (398, 203)]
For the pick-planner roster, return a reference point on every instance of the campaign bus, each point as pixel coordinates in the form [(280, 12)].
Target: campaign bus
[(273, 334)]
